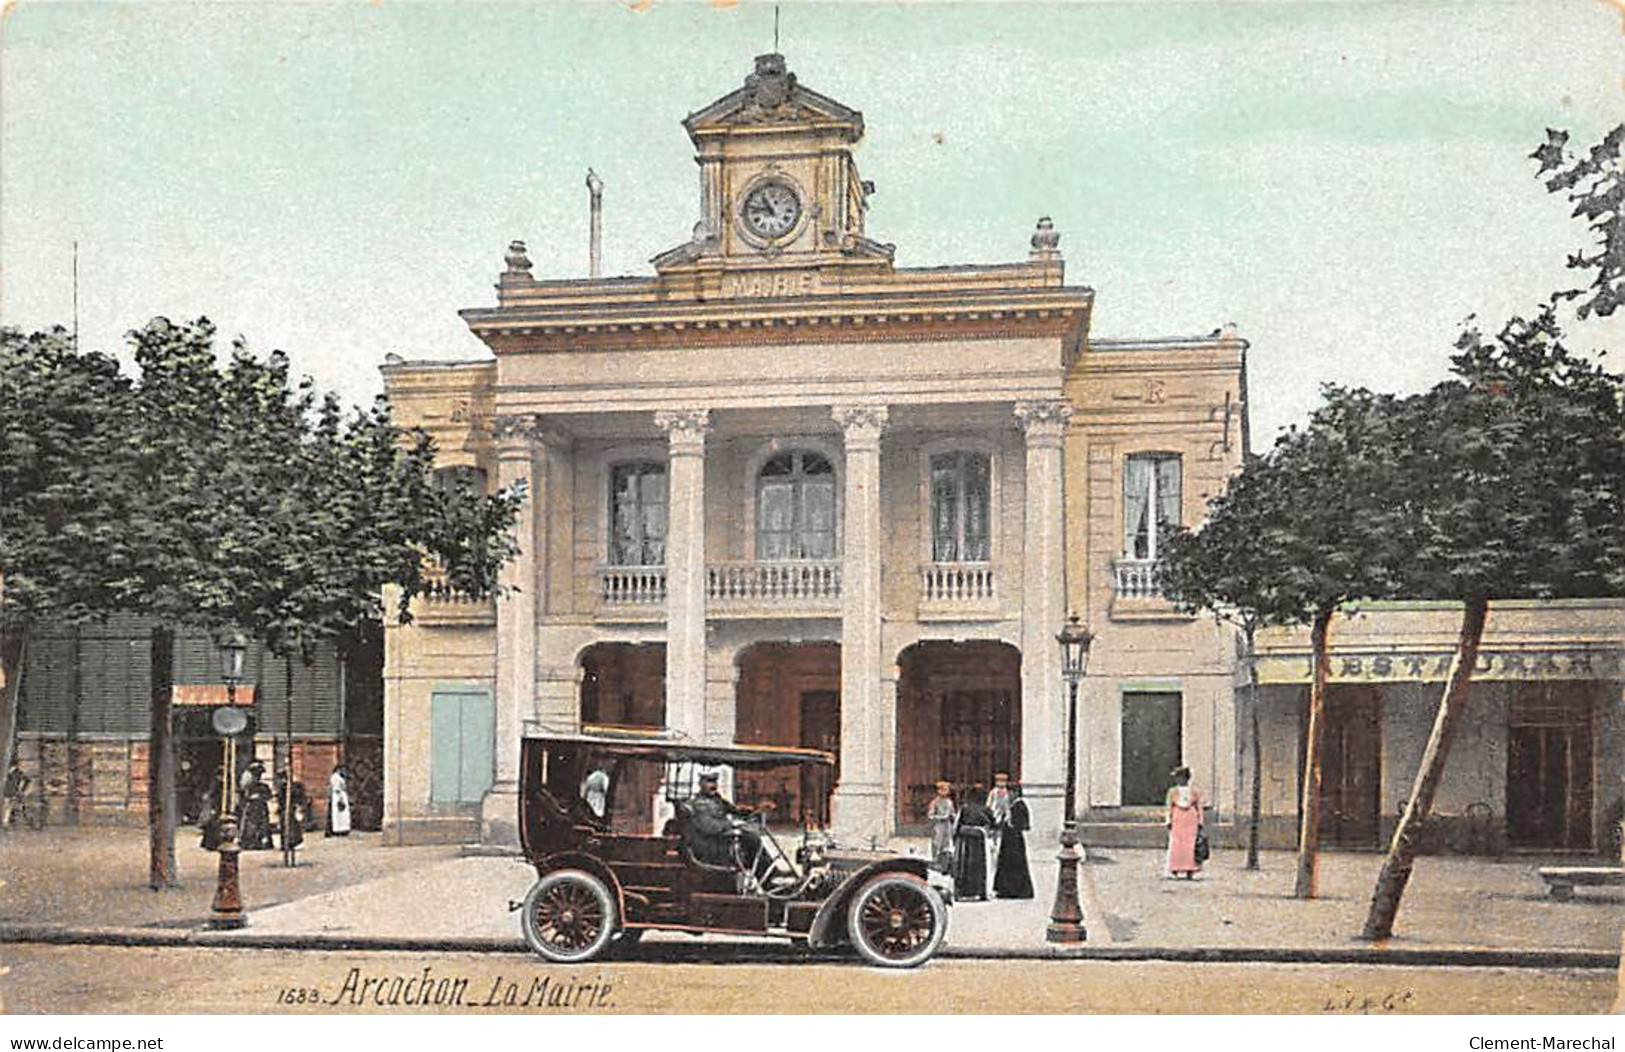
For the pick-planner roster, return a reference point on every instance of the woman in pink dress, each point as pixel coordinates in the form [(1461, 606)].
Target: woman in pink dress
[(1184, 822)]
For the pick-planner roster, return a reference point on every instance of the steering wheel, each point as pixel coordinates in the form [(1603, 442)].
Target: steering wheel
[(769, 850)]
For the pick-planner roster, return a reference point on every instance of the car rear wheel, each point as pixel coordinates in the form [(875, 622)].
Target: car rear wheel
[(897, 921), (569, 917)]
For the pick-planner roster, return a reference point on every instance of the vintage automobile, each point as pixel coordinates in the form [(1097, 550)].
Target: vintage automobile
[(604, 815)]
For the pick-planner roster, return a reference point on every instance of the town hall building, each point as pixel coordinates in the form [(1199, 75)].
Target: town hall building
[(785, 491)]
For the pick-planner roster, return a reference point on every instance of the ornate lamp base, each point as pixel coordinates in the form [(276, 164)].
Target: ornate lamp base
[(1066, 917), (228, 896)]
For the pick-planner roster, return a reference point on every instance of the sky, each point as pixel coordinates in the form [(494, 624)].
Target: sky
[(1345, 182)]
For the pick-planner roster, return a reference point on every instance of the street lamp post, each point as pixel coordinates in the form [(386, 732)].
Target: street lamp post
[(227, 909), (1066, 917)]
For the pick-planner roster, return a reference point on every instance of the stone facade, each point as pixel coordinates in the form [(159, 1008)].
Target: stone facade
[(782, 458)]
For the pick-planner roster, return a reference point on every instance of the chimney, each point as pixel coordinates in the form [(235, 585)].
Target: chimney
[(595, 243)]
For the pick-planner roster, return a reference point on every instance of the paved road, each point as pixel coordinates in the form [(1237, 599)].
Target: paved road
[(72, 979)]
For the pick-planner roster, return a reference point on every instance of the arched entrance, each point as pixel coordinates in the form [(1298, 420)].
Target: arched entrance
[(789, 694), (958, 718), (624, 685)]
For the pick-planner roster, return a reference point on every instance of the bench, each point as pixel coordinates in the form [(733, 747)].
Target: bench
[(1561, 880)]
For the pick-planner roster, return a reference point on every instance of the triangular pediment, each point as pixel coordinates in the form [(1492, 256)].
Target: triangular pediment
[(771, 96)]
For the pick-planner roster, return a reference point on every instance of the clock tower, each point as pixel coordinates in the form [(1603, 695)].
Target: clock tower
[(781, 203)]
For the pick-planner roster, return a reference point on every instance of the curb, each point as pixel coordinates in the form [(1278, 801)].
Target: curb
[(1405, 957)]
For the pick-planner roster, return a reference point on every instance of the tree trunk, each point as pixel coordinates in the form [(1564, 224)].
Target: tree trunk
[(1396, 868), (1258, 754), (161, 869), (1307, 885), (13, 648), (286, 805), (74, 715)]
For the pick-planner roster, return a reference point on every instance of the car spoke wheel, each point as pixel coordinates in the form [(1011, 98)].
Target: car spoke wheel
[(897, 921), (569, 916)]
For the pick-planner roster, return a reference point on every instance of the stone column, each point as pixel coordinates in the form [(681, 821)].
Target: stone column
[(859, 809), (1043, 612), (685, 569), (516, 631)]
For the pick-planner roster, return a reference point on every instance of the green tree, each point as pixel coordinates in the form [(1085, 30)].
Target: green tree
[(1595, 183), (1521, 491), (1519, 494), (206, 496), (1300, 532), (63, 420), (1227, 568)]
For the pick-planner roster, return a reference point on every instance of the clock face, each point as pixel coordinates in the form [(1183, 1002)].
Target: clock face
[(771, 210)]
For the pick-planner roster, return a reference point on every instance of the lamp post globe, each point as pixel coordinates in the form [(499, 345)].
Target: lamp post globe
[(233, 650), (1066, 922)]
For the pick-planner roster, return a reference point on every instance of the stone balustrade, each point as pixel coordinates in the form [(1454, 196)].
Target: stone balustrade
[(632, 585), (1137, 579), (956, 583), (799, 584)]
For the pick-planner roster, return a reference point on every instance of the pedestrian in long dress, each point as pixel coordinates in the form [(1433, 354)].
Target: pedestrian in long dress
[(1012, 880), (970, 846), (338, 804), (998, 802), (256, 812), (1184, 821), (941, 814)]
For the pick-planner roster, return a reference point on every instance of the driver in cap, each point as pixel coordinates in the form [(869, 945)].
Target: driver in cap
[(714, 820)]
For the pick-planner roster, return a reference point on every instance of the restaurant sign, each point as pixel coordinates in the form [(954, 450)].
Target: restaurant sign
[(1433, 666)]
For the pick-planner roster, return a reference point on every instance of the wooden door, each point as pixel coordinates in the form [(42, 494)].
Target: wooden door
[(820, 729), (1152, 746), (1351, 768), (1549, 761)]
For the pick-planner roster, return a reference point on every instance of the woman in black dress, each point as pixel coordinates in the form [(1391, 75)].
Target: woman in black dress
[(256, 812), (1012, 880), (970, 846)]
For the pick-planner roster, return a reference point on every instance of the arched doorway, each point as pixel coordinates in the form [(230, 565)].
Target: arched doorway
[(624, 685), (789, 694), (958, 718)]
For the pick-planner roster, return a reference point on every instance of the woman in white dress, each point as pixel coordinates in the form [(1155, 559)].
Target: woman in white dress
[(338, 804)]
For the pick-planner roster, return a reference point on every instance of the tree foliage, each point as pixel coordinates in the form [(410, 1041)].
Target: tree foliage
[(1520, 491), (1595, 183), (1313, 524), (209, 495), (63, 498)]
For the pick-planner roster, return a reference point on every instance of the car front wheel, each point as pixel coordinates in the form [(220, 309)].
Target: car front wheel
[(897, 921), (569, 917)]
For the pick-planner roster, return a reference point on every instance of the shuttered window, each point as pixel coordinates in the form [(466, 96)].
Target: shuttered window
[(461, 722)]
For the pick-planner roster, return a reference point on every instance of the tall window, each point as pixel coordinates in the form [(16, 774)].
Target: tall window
[(637, 507), (795, 507), (1150, 502), (959, 507)]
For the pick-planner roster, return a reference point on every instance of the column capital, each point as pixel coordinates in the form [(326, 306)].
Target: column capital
[(685, 428), (1043, 420), (514, 432), (519, 433), (861, 424)]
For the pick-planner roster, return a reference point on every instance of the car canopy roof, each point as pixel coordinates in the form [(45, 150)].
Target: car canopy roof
[(643, 745)]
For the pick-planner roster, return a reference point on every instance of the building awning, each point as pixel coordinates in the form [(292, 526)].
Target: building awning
[(209, 694)]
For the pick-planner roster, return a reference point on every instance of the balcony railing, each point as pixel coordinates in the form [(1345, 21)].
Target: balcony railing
[(1138, 579), (789, 584), (957, 583), (632, 586), (442, 604)]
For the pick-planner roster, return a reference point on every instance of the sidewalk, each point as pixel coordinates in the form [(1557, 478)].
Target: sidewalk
[(85, 887)]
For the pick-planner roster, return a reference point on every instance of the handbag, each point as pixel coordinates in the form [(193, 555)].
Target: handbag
[(1203, 849)]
